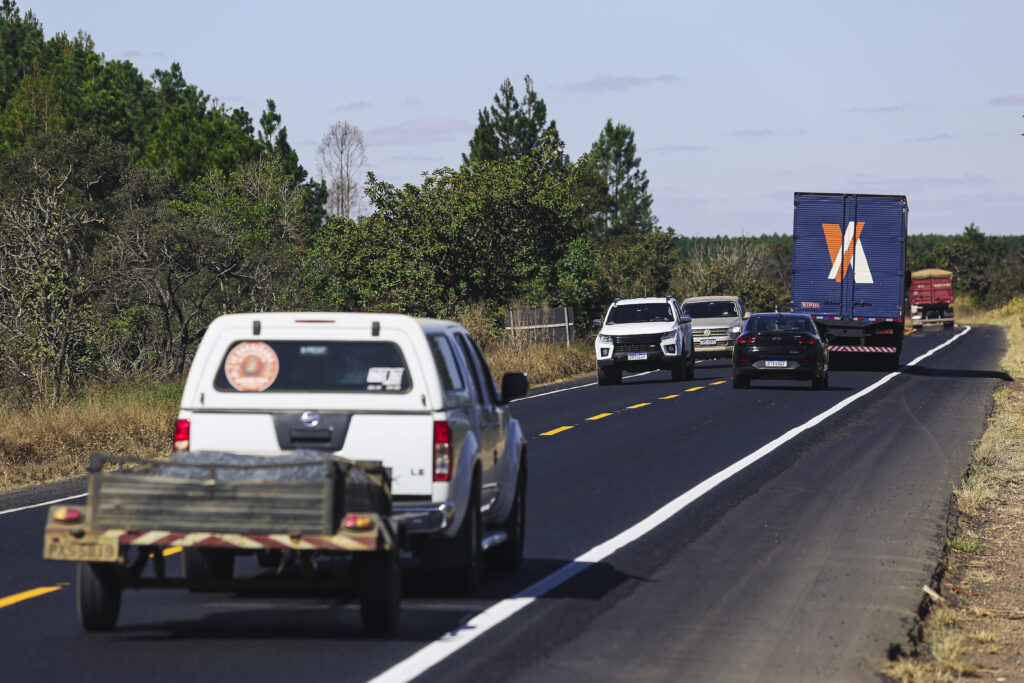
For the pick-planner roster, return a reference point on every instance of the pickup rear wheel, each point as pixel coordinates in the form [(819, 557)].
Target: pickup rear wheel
[(207, 563), (508, 556), (469, 537), (380, 590), (98, 594)]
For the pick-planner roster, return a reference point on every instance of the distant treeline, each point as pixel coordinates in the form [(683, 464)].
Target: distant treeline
[(133, 211)]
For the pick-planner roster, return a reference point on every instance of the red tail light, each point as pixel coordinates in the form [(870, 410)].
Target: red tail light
[(181, 435), (442, 451), (747, 340), (803, 339)]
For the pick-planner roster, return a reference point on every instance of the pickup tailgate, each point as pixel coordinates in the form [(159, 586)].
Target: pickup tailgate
[(402, 442)]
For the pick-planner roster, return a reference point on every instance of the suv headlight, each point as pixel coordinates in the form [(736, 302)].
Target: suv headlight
[(604, 339)]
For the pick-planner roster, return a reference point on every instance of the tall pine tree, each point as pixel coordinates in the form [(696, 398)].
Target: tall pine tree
[(614, 155), (511, 128)]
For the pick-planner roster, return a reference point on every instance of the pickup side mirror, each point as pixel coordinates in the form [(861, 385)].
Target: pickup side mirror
[(595, 324), (514, 385), (746, 314), (685, 320)]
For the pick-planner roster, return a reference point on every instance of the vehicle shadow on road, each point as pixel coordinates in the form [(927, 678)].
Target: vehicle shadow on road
[(924, 371)]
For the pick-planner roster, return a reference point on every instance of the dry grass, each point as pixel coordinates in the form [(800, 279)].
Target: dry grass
[(545, 363), (40, 443), (979, 634)]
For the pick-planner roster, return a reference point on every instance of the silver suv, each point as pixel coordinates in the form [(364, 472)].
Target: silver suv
[(717, 321), (650, 333)]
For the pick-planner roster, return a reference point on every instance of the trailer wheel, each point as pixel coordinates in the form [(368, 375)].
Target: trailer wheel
[(98, 596), (207, 563), (380, 591), (508, 556)]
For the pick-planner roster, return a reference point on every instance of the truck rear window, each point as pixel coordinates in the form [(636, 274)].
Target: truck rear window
[(258, 365)]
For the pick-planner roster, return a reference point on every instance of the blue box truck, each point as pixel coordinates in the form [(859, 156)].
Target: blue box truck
[(849, 270)]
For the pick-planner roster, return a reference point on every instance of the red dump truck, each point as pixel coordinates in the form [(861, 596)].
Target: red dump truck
[(931, 297)]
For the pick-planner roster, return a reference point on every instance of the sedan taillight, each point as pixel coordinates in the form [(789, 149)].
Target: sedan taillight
[(746, 340), (803, 339)]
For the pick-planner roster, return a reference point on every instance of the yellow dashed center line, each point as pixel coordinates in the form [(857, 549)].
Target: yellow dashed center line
[(28, 595), (638, 405), (598, 417), (556, 431), (721, 381), (669, 396), (694, 388), (173, 550)]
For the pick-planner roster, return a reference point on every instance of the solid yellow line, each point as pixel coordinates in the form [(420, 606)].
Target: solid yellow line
[(598, 417), (638, 405), (694, 388), (555, 431), (669, 396), (28, 595), (721, 381)]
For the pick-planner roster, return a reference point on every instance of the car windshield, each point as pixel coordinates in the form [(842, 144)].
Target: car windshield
[(779, 323), (640, 313), (270, 366), (710, 309)]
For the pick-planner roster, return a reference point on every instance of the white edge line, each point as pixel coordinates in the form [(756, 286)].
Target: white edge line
[(39, 505), (448, 644)]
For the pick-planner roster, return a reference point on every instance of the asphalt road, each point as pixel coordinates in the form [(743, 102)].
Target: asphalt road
[(805, 565)]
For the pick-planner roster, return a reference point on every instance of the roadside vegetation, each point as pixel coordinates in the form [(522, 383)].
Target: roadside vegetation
[(974, 626), (134, 210)]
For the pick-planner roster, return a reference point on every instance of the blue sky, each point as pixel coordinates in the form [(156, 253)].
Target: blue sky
[(734, 105)]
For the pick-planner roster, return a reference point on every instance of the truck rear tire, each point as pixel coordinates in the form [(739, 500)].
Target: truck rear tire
[(380, 591), (207, 563), (98, 596), (508, 556)]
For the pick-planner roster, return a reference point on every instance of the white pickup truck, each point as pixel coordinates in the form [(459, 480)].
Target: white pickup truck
[(411, 399)]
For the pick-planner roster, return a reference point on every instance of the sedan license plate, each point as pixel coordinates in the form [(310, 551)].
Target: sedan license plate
[(98, 550), (775, 363), (708, 342), (636, 356)]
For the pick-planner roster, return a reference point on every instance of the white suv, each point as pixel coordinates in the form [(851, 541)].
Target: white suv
[(412, 393), (650, 333)]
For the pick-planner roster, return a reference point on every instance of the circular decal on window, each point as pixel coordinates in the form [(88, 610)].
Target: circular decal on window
[(251, 366)]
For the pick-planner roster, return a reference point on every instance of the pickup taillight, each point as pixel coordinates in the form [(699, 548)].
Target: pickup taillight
[(181, 435), (442, 451)]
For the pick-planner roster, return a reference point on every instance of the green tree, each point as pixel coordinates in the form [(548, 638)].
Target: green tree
[(614, 155), (512, 128)]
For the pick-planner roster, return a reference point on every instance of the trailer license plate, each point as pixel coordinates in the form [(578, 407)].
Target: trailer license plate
[(775, 363), (636, 356), (98, 550)]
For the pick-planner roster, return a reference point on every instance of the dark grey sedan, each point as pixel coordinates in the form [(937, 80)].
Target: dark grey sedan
[(780, 346)]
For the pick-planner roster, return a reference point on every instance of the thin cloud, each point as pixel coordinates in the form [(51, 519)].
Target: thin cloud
[(605, 83), (1007, 101), (361, 104), (751, 133), (418, 158), (425, 131), (933, 138), (888, 109), (136, 54), (680, 148)]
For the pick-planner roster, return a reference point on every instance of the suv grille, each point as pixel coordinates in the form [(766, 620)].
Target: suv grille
[(637, 343)]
